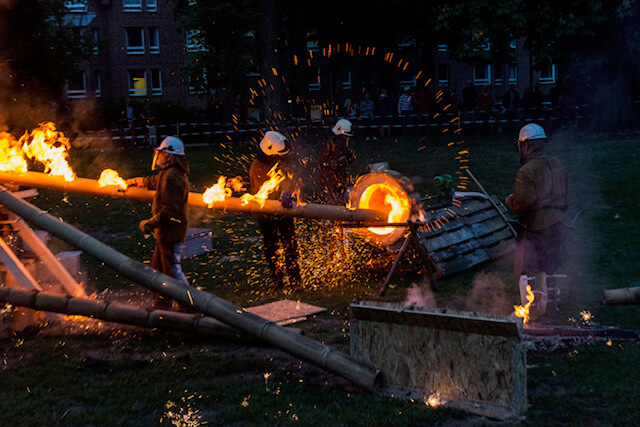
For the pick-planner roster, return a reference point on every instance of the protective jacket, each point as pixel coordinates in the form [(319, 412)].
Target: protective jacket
[(170, 209), (540, 192), (258, 174)]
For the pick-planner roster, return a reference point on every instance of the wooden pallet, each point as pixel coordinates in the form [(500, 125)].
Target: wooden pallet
[(477, 234)]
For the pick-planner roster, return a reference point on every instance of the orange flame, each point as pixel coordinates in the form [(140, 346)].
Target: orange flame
[(111, 177), (393, 202), (521, 311), (11, 156), (48, 146), (275, 178), (222, 189)]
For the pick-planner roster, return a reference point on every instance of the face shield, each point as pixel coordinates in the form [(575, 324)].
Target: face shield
[(160, 159)]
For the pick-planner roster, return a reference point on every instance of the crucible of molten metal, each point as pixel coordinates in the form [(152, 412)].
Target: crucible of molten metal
[(231, 204)]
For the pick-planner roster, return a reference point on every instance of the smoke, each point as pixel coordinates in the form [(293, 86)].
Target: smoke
[(488, 295), (420, 294)]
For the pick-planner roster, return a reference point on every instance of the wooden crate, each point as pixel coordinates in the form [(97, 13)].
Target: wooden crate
[(476, 362)]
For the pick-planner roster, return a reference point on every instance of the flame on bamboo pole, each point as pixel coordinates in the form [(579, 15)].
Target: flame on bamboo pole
[(211, 305), (231, 204)]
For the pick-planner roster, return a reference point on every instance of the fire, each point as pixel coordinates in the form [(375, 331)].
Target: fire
[(111, 177), (521, 311), (48, 146), (11, 156), (384, 197), (222, 189), (275, 178)]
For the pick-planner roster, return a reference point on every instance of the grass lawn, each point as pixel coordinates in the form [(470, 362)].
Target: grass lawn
[(94, 374)]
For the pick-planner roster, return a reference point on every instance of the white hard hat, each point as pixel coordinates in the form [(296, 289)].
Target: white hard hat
[(530, 132), (342, 127), (172, 145), (273, 144)]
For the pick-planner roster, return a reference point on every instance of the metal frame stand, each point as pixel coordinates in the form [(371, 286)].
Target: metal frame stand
[(412, 238)]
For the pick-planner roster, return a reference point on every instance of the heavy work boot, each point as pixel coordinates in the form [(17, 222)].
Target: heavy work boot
[(523, 282), (552, 291)]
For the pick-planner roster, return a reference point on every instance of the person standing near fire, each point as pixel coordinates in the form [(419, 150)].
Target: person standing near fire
[(170, 210), (540, 199), (278, 231), (334, 158)]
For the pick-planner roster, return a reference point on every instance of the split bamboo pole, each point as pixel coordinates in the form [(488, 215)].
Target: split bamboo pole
[(231, 204), (116, 312), (298, 345)]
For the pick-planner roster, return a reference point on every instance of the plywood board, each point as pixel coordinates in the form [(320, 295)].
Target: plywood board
[(469, 361), (286, 311)]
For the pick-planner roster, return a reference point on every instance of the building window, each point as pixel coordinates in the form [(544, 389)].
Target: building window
[(443, 48), (198, 83), (513, 73), (195, 41), (316, 84), (156, 82), (137, 83), (513, 44), (443, 73), (95, 42), (135, 41), (498, 72), (408, 83), (76, 5), (346, 83), (77, 86), (152, 5), (133, 5), (548, 74), (312, 46), (154, 40), (482, 74), (98, 84)]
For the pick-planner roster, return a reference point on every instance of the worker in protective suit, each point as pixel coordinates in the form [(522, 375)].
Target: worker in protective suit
[(278, 231), (334, 158), (540, 200), (170, 210)]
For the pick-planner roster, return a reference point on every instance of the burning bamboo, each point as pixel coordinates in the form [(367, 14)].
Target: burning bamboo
[(231, 204), (237, 317)]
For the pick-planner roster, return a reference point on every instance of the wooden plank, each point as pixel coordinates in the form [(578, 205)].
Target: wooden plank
[(48, 258), (456, 250), (16, 268), (448, 239), (501, 249), (481, 216), (494, 238), (487, 227), (463, 263)]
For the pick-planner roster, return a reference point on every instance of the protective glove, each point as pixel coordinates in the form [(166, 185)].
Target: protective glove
[(135, 182), (146, 227), (285, 199)]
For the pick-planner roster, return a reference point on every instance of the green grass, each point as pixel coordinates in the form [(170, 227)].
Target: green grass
[(146, 377)]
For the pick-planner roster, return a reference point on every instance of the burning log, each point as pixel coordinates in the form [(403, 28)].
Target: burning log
[(622, 296), (231, 204), (203, 302)]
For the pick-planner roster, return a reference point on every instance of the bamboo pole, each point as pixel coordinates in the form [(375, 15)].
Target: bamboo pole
[(115, 312), (203, 302), (513, 231), (622, 296), (231, 204)]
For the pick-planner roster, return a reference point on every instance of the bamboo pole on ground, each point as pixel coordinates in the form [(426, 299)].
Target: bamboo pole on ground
[(298, 345), (231, 204), (622, 296), (116, 312)]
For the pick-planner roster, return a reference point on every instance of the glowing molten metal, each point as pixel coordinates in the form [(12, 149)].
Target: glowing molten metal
[(385, 198), (521, 311), (111, 177), (275, 178)]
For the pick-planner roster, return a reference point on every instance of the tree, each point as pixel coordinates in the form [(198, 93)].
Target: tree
[(39, 51)]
